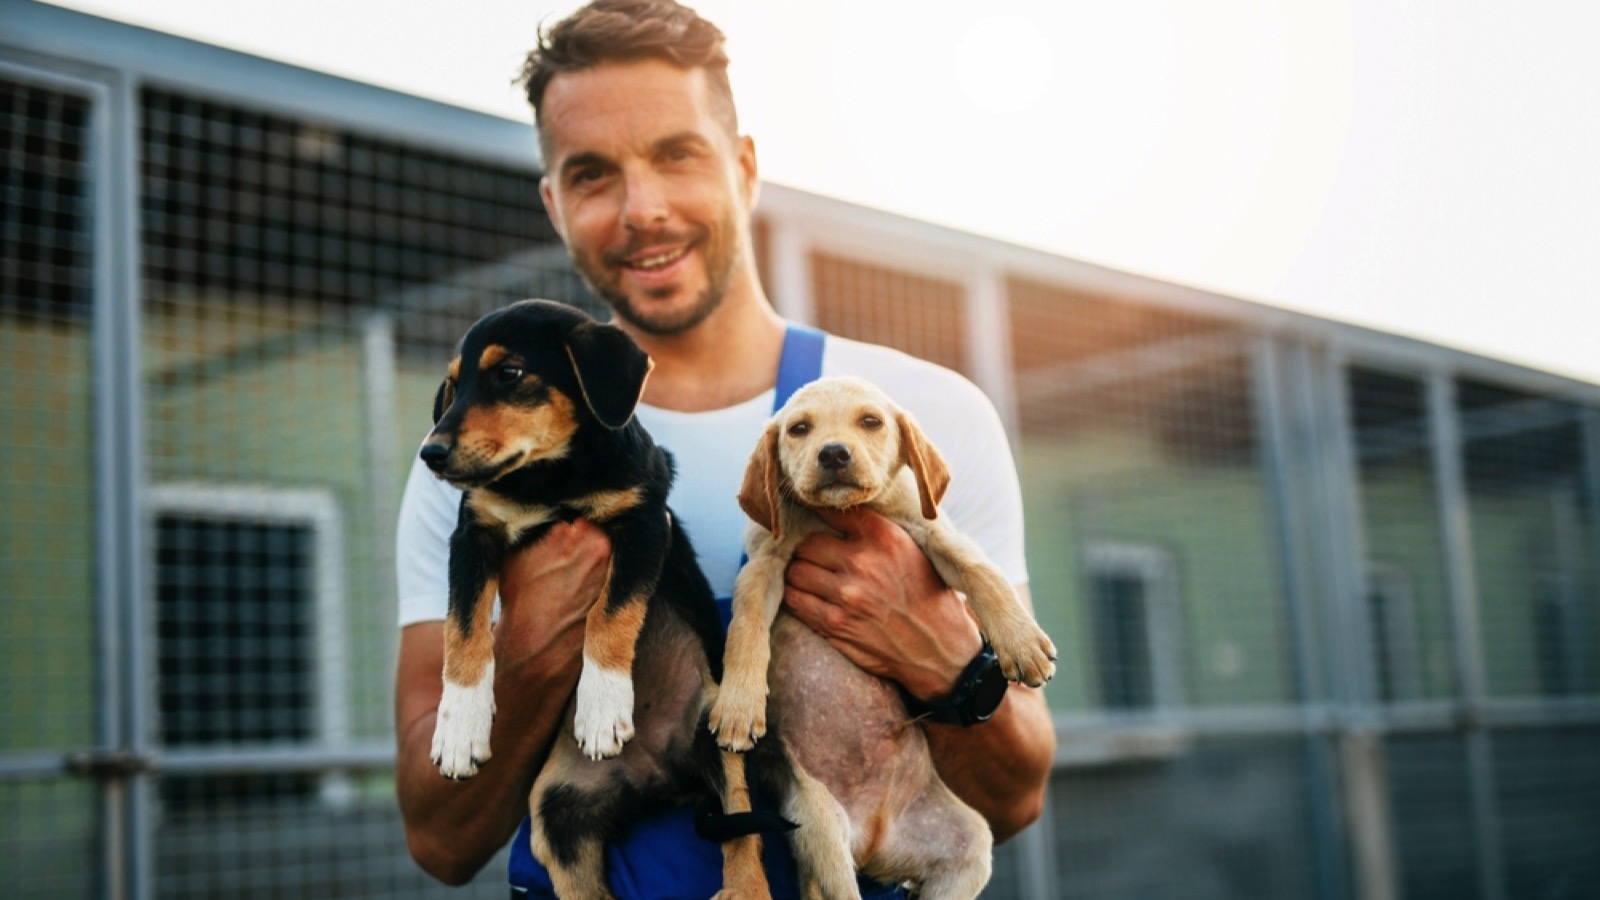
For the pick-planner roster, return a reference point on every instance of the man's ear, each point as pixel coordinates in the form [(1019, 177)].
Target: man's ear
[(611, 370), (933, 476), (446, 394), (547, 196), (758, 495), (749, 172)]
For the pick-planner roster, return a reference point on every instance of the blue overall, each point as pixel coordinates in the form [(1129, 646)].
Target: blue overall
[(661, 858)]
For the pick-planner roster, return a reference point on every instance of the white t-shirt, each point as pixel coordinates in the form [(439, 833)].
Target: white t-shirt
[(711, 448)]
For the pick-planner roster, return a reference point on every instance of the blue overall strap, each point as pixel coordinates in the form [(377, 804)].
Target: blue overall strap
[(800, 364)]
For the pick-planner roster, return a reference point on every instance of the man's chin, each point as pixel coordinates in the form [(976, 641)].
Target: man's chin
[(664, 315)]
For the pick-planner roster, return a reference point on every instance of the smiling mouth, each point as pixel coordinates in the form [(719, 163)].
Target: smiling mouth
[(657, 260)]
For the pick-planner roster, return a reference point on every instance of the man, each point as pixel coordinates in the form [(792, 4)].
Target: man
[(651, 188)]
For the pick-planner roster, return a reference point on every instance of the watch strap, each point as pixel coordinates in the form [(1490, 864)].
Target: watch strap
[(962, 705)]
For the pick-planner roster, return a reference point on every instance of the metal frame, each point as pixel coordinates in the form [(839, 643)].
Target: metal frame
[(1298, 362)]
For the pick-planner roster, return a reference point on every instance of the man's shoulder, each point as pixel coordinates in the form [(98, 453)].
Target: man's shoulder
[(916, 384)]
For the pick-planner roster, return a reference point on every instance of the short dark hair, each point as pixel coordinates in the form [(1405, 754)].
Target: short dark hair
[(629, 31)]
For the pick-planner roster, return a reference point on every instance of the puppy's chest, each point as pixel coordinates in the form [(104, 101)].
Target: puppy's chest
[(515, 519)]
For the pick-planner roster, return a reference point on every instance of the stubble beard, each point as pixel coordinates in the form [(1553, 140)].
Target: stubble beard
[(721, 260)]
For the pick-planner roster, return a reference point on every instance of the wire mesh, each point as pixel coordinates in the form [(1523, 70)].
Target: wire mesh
[(47, 544), (274, 249)]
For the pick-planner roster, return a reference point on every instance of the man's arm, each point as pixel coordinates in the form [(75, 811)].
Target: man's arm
[(876, 598), (454, 827)]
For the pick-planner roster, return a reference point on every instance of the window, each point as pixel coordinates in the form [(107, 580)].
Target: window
[(1132, 595), (249, 630)]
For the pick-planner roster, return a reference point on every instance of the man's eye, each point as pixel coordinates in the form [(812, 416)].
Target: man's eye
[(509, 374), (799, 429), (871, 422)]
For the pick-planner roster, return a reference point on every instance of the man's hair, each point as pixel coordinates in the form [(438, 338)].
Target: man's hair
[(622, 31)]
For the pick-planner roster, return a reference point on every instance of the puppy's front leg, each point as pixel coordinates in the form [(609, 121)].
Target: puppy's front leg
[(739, 716), (604, 718), (1026, 653), (466, 709)]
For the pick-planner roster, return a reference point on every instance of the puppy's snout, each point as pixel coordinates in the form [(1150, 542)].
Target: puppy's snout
[(834, 457), (435, 453)]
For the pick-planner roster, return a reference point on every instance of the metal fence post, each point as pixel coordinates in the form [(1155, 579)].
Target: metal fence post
[(1283, 382), (123, 582), (1456, 526)]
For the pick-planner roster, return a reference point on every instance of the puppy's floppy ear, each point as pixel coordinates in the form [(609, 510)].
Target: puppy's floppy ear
[(446, 394), (758, 495), (933, 476), (611, 370)]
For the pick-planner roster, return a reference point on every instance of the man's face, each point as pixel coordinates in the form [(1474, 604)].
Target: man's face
[(648, 189)]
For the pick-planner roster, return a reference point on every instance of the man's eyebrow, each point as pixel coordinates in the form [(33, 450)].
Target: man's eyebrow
[(680, 139), (582, 160)]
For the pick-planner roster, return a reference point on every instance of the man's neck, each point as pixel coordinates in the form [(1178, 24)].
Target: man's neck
[(729, 358)]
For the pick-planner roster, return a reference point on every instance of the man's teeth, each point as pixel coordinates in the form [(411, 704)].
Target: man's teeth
[(656, 262)]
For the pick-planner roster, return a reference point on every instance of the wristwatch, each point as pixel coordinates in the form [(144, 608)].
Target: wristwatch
[(974, 699)]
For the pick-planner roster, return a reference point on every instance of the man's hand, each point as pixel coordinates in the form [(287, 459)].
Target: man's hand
[(874, 595), (548, 588)]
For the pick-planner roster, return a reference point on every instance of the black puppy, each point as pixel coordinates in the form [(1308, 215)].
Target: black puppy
[(534, 422)]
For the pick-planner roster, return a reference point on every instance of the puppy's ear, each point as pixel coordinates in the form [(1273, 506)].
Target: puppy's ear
[(933, 476), (611, 370), (446, 394), (758, 495)]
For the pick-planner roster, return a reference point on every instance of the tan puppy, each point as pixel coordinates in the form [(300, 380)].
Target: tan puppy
[(859, 779)]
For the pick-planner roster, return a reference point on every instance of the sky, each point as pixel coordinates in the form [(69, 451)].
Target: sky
[(1424, 167)]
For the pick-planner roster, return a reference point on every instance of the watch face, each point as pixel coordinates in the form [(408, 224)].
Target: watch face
[(989, 691)]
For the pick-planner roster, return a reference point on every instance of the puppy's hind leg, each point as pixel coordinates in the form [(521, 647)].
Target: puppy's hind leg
[(568, 834), (743, 878), (942, 843), (821, 843)]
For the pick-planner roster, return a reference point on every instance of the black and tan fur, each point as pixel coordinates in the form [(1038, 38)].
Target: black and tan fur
[(860, 780), (534, 421)]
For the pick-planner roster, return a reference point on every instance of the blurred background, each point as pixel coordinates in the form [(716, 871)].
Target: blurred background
[(1326, 593)]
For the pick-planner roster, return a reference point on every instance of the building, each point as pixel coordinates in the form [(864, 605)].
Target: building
[(1327, 598)]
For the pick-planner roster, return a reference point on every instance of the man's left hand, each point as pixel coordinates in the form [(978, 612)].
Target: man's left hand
[(873, 594)]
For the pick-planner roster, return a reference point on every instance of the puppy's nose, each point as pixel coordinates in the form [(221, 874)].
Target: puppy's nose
[(435, 454), (834, 457)]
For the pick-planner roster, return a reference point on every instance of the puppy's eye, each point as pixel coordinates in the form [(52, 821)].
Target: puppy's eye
[(871, 422), (508, 374), (799, 429)]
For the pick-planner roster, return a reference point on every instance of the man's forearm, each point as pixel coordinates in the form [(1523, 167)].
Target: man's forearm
[(1000, 767), (454, 827)]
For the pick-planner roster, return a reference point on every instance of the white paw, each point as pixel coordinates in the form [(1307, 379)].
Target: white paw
[(461, 727), (605, 711)]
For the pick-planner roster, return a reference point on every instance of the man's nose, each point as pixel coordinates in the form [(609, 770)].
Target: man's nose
[(645, 203)]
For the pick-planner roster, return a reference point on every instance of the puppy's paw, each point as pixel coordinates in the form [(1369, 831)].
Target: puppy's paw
[(729, 893), (1026, 654), (461, 727), (604, 721), (738, 719)]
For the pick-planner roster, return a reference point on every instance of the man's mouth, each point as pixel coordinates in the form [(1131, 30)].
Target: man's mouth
[(657, 261)]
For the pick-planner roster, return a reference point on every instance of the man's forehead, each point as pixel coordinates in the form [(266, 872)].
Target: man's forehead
[(614, 105)]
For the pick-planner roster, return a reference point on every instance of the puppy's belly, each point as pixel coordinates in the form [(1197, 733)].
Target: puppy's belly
[(846, 728)]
